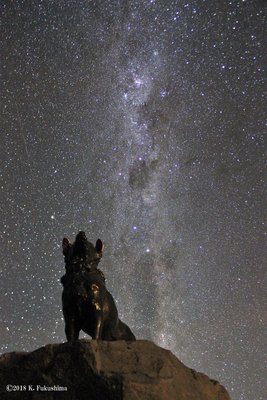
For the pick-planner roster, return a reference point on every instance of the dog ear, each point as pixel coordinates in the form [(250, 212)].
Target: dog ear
[(65, 246), (99, 246)]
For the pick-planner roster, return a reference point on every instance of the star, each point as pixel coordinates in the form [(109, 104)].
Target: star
[(142, 125)]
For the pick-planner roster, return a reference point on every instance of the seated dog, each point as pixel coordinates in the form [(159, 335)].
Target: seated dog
[(87, 304)]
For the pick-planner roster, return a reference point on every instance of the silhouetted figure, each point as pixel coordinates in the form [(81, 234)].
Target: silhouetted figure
[(87, 304)]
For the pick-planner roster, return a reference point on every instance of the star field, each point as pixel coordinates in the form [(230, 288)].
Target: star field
[(141, 123)]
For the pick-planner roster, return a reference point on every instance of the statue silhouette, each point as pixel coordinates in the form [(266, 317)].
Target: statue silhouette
[(87, 304)]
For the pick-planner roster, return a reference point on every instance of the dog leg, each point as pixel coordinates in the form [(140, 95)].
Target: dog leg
[(71, 330)]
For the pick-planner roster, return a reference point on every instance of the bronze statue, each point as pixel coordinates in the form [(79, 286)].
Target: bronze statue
[(87, 304)]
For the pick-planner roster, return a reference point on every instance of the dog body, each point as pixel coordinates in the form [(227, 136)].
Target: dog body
[(87, 304)]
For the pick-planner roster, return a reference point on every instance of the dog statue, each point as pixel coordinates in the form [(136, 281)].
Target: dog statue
[(87, 304)]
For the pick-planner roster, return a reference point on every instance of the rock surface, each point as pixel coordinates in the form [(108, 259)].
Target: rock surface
[(91, 370)]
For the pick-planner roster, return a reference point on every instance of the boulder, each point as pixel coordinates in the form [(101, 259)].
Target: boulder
[(102, 370)]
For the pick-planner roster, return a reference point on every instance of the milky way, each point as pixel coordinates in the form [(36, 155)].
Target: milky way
[(141, 123)]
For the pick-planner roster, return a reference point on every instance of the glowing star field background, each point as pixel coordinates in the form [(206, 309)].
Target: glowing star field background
[(141, 123)]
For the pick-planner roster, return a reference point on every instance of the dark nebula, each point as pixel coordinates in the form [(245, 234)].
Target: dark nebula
[(140, 123)]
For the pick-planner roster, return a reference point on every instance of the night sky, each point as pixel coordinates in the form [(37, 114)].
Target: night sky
[(141, 123)]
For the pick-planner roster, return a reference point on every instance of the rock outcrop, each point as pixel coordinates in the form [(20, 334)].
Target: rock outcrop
[(91, 370)]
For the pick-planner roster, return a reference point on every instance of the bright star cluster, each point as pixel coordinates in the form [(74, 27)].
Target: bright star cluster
[(141, 123)]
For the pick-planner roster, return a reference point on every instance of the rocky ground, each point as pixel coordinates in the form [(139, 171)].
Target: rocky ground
[(91, 370)]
